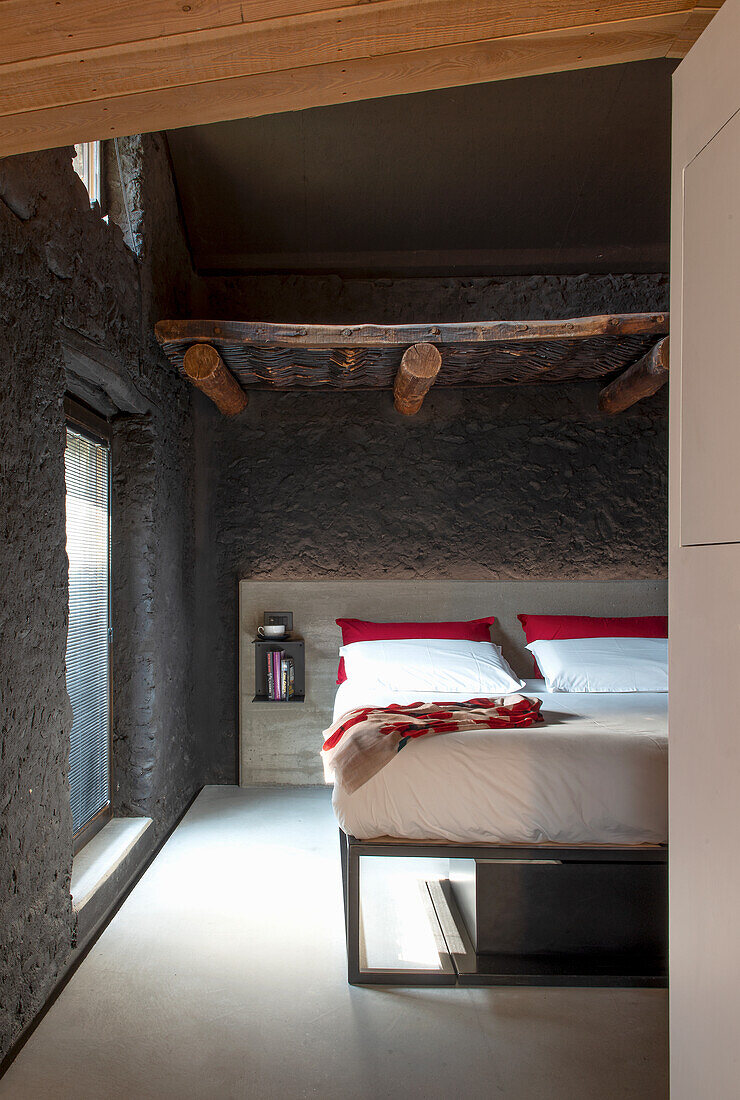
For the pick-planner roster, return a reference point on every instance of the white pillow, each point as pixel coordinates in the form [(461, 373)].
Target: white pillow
[(603, 664), (430, 664)]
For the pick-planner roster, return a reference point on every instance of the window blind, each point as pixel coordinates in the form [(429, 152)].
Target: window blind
[(87, 470)]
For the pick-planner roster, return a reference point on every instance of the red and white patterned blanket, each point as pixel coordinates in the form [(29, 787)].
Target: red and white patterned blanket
[(360, 743)]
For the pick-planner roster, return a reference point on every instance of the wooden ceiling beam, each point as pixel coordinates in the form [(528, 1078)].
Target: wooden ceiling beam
[(36, 29), (642, 379), (322, 37), (300, 57)]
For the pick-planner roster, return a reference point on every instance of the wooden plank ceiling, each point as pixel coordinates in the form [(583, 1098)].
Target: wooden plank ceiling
[(77, 70)]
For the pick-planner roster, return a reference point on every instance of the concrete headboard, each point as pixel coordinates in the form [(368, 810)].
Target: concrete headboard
[(280, 743)]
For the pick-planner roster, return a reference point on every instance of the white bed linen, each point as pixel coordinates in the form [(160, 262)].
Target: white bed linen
[(602, 664), (431, 664), (595, 773)]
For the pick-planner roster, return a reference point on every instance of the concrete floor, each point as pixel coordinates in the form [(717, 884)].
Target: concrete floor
[(223, 975)]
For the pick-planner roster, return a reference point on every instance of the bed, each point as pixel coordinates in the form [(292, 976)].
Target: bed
[(595, 773), (554, 839), (562, 879)]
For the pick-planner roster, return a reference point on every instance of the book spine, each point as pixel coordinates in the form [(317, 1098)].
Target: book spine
[(291, 678), (270, 678), (278, 658)]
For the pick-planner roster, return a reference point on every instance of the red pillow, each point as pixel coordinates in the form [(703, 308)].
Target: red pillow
[(548, 627), (359, 630)]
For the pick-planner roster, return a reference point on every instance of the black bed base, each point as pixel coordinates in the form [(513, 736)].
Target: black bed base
[(517, 915)]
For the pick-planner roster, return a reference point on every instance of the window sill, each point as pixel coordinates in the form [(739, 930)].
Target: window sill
[(103, 869)]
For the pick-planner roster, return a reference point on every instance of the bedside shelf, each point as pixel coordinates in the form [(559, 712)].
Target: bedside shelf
[(291, 647), (267, 699)]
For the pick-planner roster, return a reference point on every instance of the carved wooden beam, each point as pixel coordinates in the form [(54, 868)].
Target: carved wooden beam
[(419, 367), (206, 369), (268, 334), (642, 379)]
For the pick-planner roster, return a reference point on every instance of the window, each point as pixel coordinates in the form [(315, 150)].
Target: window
[(86, 164), (87, 472)]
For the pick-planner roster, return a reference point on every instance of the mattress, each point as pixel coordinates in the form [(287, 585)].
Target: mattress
[(595, 773)]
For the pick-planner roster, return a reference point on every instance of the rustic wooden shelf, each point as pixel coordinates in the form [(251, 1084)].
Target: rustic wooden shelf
[(262, 355), (220, 357)]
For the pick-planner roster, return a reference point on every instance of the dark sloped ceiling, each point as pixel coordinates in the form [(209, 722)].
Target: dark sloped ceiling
[(561, 173)]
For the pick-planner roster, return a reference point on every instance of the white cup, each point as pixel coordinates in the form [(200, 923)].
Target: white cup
[(273, 630)]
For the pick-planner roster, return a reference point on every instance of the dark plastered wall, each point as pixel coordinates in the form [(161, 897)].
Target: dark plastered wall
[(329, 299), (513, 482), (65, 271), (572, 166)]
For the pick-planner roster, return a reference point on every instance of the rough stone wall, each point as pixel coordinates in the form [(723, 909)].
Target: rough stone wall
[(483, 483), (156, 761), (331, 300), (35, 818), (63, 269)]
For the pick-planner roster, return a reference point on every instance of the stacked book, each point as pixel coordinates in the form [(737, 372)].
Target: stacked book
[(280, 676)]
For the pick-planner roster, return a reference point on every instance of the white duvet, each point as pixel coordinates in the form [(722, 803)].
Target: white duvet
[(595, 773)]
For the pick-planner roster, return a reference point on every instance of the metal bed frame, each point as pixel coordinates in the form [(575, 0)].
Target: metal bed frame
[(458, 961)]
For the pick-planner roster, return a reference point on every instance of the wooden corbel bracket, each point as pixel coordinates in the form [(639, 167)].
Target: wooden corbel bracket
[(419, 368), (642, 379), (206, 369)]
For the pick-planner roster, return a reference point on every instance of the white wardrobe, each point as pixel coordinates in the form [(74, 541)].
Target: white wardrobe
[(704, 568)]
